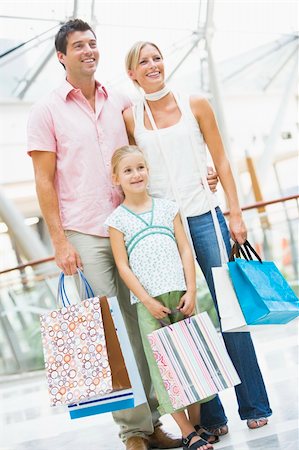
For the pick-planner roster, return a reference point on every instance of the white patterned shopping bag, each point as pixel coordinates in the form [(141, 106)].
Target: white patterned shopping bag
[(75, 352), (192, 360), (122, 398)]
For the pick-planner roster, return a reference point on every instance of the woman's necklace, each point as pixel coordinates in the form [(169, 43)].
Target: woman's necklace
[(157, 95)]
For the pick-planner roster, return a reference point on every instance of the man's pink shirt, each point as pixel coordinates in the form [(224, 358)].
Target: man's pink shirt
[(84, 141)]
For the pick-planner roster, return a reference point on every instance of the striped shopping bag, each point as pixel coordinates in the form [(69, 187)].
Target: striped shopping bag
[(192, 360)]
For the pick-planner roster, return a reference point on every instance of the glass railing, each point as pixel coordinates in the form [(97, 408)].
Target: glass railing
[(28, 290), (25, 292)]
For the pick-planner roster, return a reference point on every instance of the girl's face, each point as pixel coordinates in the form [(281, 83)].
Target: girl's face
[(132, 174), (149, 72)]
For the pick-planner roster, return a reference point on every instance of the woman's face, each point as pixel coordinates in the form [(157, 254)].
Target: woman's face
[(149, 72)]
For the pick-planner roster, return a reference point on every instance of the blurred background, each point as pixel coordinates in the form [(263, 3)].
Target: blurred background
[(241, 54)]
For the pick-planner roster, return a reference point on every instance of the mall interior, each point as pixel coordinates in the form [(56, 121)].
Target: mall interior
[(255, 96)]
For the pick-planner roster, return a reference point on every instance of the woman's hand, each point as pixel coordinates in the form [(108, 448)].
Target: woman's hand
[(237, 228), (157, 309), (187, 303)]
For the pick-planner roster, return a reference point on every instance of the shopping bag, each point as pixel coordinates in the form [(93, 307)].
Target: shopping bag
[(121, 399), (263, 293), (115, 401), (75, 352), (83, 358), (230, 313), (192, 360)]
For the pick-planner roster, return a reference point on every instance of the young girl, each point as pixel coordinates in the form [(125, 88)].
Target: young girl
[(155, 261)]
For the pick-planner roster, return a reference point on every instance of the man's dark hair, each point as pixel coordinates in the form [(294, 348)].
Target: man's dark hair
[(67, 28)]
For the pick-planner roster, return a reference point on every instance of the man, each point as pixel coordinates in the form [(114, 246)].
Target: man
[(71, 137)]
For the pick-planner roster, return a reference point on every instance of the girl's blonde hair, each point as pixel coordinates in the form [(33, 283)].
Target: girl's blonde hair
[(121, 152), (133, 55)]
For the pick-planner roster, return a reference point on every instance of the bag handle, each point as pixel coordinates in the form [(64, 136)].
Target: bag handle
[(201, 164), (85, 290), (246, 250), (235, 252), (170, 175), (250, 250), (164, 324)]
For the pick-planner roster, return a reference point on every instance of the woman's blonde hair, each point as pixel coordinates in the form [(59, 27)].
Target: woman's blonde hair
[(133, 55), (121, 152)]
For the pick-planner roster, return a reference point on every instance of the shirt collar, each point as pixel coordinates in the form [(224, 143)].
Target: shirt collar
[(67, 87)]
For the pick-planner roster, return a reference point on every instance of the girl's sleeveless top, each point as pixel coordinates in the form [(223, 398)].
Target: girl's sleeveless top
[(179, 154), (151, 246)]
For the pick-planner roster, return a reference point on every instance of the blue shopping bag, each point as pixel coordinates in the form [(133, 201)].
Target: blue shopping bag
[(264, 295), (115, 401)]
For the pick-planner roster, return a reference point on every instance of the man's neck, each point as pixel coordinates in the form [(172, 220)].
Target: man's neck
[(87, 87)]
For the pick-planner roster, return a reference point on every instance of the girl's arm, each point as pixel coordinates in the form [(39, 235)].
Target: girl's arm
[(121, 259), (208, 125), (187, 303)]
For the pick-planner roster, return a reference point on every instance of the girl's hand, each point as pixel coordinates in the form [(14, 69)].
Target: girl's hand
[(187, 303), (237, 228), (156, 309)]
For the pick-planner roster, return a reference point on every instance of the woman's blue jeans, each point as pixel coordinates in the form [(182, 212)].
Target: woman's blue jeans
[(251, 393)]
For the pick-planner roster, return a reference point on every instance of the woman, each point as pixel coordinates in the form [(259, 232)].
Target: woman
[(183, 127)]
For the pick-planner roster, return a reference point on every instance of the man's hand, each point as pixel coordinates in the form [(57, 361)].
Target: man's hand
[(67, 258), (212, 178)]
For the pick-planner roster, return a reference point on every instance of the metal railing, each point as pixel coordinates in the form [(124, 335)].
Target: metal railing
[(26, 291), (29, 289)]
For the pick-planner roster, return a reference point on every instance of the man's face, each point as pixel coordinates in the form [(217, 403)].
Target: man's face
[(82, 55)]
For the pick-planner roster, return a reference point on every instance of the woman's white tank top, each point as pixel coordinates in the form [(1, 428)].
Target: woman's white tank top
[(180, 157)]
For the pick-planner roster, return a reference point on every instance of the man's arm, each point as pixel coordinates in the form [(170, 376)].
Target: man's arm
[(44, 164)]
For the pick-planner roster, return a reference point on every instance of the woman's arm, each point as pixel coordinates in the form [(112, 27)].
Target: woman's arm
[(121, 259), (130, 124), (187, 303), (208, 125)]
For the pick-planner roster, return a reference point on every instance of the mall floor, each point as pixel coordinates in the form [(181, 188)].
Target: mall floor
[(28, 423)]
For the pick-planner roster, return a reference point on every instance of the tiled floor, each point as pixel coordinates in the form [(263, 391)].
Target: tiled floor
[(28, 423)]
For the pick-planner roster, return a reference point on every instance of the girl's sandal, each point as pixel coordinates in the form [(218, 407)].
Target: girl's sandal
[(196, 445), (220, 431), (253, 424), (206, 435)]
